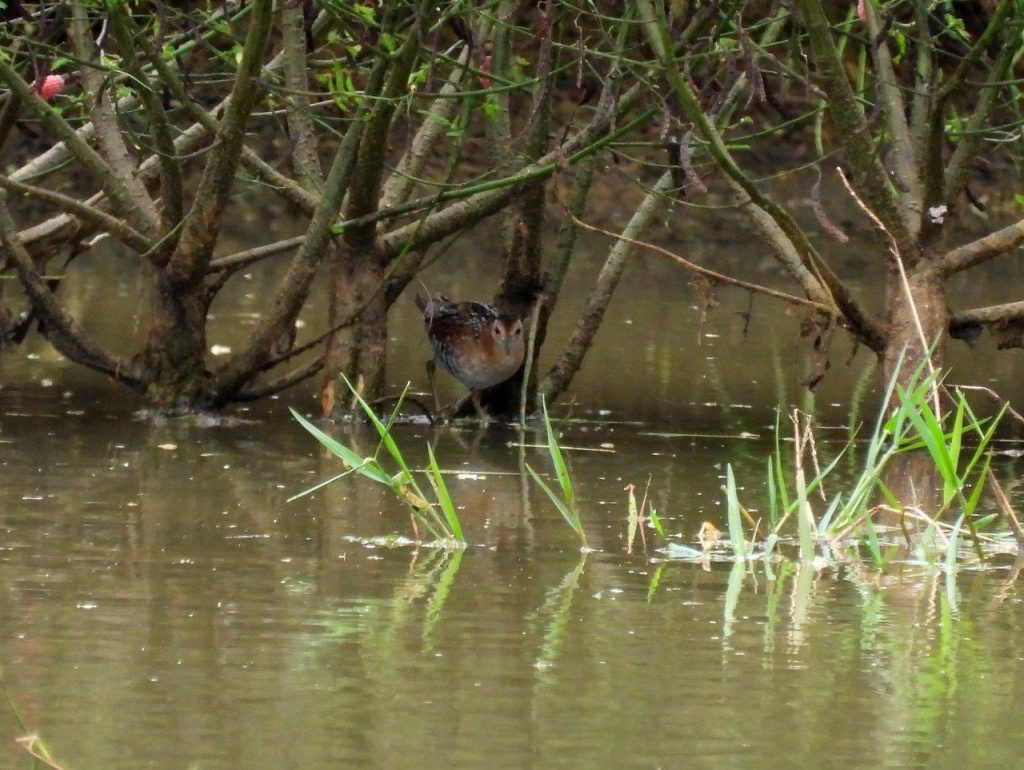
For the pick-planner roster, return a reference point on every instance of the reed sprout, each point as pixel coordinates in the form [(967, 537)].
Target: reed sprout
[(435, 513), (566, 503), (960, 455)]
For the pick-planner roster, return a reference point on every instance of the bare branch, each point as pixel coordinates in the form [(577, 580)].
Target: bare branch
[(99, 219), (305, 157), (171, 191), (983, 249), (905, 284), (286, 187), (848, 116), (992, 314), (568, 363), (109, 139), (992, 30), (921, 102), (294, 286), (273, 387), (191, 256), (242, 259), (91, 160), (400, 184), (891, 96), (972, 135), (364, 185), (714, 275), (490, 200)]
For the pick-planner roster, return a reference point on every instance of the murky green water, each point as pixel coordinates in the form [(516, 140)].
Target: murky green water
[(163, 606)]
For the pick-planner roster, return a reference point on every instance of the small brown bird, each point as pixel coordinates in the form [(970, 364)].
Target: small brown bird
[(474, 342)]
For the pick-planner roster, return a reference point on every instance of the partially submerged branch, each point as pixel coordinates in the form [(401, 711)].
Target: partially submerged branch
[(63, 331)]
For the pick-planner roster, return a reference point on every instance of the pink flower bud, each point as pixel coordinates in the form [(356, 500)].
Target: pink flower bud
[(51, 86), (862, 12)]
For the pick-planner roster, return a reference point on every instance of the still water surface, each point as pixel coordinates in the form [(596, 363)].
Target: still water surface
[(163, 606)]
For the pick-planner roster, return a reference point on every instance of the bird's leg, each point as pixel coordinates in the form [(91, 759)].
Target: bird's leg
[(454, 407), (431, 368), (484, 418)]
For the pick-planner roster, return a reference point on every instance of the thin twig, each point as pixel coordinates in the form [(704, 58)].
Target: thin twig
[(1007, 510), (714, 275), (995, 397)]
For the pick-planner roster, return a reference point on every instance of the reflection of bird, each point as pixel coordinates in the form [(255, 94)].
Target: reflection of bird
[(476, 343)]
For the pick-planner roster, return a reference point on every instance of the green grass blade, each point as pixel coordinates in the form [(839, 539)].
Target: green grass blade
[(956, 434), (443, 498), (557, 459), (780, 480), (736, 537), (804, 518), (934, 440), (321, 485), (570, 517), (384, 431), (826, 519), (871, 538), (979, 484), (364, 466)]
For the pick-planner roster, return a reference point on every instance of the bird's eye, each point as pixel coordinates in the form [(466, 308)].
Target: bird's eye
[(519, 331), (498, 331)]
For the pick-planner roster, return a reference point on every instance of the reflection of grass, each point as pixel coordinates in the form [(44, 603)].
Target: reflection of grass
[(439, 517), (638, 515), (29, 741), (912, 425), (556, 607)]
